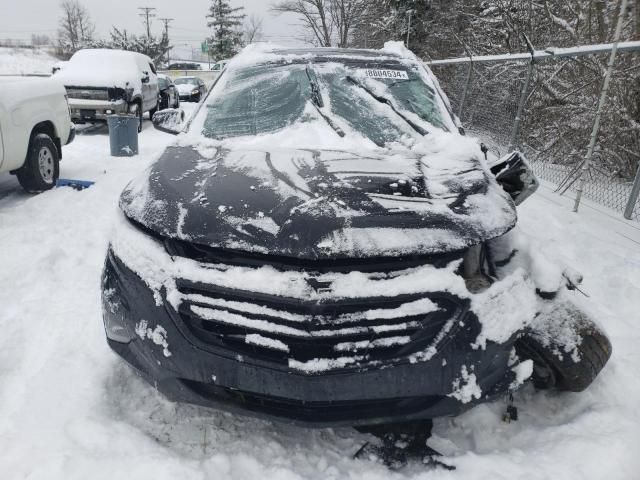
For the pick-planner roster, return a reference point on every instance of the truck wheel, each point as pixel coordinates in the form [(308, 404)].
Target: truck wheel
[(555, 367), (42, 166)]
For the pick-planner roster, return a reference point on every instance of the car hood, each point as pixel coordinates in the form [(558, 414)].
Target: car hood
[(315, 204), (185, 89)]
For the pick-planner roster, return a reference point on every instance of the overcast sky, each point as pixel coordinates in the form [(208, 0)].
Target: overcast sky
[(20, 18)]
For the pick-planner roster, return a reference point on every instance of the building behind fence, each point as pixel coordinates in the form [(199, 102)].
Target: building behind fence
[(558, 106)]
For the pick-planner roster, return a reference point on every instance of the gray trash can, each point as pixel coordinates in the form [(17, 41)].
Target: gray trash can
[(123, 135)]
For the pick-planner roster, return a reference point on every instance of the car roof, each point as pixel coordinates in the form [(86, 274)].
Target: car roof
[(262, 55), (335, 52)]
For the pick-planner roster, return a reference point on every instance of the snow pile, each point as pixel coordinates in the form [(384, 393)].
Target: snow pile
[(25, 61)]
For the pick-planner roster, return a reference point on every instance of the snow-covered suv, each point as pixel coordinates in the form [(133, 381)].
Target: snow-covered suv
[(102, 82), (34, 125), (323, 246)]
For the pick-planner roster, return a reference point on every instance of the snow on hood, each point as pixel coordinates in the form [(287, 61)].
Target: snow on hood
[(186, 88), (306, 192), (16, 90), (102, 68), (312, 203)]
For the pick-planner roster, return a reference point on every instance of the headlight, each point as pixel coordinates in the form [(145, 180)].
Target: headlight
[(115, 328), (195, 92), (114, 308)]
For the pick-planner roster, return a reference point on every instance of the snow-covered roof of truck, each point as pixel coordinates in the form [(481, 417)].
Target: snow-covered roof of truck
[(99, 67)]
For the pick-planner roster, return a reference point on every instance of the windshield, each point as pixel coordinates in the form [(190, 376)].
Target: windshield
[(381, 102), (163, 83), (185, 81)]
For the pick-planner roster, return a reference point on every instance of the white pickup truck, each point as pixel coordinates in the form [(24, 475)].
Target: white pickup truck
[(34, 124)]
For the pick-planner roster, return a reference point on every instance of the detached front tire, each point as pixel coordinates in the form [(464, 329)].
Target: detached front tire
[(41, 169), (570, 354)]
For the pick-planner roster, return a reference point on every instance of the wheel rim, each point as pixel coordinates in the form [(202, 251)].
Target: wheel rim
[(46, 164)]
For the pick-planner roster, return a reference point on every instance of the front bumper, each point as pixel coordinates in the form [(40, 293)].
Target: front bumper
[(166, 352), (189, 97), (90, 110)]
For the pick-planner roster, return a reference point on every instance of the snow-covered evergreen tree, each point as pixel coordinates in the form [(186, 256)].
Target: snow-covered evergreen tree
[(226, 23), (155, 48)]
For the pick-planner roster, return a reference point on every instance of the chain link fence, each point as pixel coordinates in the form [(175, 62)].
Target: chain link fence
[(557, 92)]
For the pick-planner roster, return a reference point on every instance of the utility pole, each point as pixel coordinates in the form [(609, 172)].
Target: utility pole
[(166, 22), (147, 16)]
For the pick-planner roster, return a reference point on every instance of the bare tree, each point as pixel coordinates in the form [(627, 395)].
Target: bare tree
[(344, 15), (39, 40), (76, 27), (253, 29), (315, 15)]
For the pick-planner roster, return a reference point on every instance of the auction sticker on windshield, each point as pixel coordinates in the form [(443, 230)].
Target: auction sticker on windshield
[(393, 74)]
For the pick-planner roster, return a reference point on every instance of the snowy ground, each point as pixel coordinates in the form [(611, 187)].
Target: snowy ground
[(70, 409), (18, 61)]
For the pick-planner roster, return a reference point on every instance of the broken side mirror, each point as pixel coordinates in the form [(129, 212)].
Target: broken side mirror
[(169, 121), (515, 176)]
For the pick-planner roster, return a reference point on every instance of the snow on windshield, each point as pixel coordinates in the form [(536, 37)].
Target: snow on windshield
[(380, 101)]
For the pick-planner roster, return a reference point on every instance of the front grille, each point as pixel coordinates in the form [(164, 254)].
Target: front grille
[(313, 336), (96, 93), (327, 411), (88, 94)]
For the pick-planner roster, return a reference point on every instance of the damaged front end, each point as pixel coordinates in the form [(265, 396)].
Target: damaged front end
[(258, 313), (330, 344)]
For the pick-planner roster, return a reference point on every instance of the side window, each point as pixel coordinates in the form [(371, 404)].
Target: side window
[(153, 68)]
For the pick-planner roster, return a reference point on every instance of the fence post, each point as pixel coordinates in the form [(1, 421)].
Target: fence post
[(523, 96), (603, 97), (633, 196)]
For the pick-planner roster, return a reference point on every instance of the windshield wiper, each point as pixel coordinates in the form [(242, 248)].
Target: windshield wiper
[(388, 102), (316, 99)]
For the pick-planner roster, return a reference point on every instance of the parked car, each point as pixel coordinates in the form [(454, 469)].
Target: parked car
[(335, 252), (34, 125), (185, 66), (168, 96), (102, 82), (219, 66), (191, 89)]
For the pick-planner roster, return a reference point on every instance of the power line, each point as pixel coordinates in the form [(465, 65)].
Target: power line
[(147, 15)]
